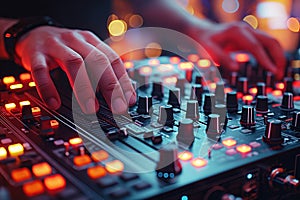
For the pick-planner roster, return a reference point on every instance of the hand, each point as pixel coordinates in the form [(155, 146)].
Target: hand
[(78, 53), (219, 39)]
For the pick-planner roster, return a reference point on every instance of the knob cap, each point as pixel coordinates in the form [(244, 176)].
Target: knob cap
[(296, 121), (262, 104), (288, 84), (219, 93), (192, 110), (157, 90), (273, 132), (242, 85), (247, 118), (174, 97), (168, 165), (213, 129), (287, 103), (221, 110), (165, 115), (45, 126), (231, 102), (261, 89), (186, 132), (181, 85), (209, 103), (144, 105), (269, 79), (196, 93), (198, 79), (233, 79)]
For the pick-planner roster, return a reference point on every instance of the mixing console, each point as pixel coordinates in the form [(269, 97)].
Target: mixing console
[(191, 135)]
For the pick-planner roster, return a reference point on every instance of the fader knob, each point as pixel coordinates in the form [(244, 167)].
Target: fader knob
[(45, 126), (219, 92), (186, 132), (262, 104), (157, 90), (231, 102), (174, 97), (192, 110), (288, 84), (181, 85), (287, 103), (209, 103), (247, 118), (213, 129), (198, 79), (168, 165), (144, 105), (269, 79), (296, 121), (27, 116), (242, 85), (261, 89), (221, 110), (233, 79), (196, 93), (165, 115), (273, 132)]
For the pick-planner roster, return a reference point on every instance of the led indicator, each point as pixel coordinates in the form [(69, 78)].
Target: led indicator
[(3, 153), (16, 149), (16, 86), (243, 148), (185, 155), (242, 57), (186, 65), (204, 63), (10, 106), (9, 80), (199, 162), (229, 142), (25, 76), (31, 84), (114, 167), (24, 103)]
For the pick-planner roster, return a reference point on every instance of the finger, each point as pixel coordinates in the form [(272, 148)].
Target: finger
[(116, 63), (74, 66), (44, 83)]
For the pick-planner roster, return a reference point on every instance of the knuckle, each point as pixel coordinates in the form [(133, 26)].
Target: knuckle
[(68, 35), (74, 61)]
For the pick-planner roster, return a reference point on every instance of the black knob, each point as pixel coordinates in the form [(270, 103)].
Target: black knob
[(198, 79), (233, 79), (192, 110), (261, 89), (262, 104), (45, 126), (269, 78), (242, 85), (220, 93), (221, 110), (144, 105), (27, 116), (296, 121), (213, 129), (181, 85), (186, 132), (273, 132), (168, 165), (165, 115), (287, 103), (231, 102), (209, 103), (157, 90), (247, 118), (174, 97), (288, 84), (196, 93)]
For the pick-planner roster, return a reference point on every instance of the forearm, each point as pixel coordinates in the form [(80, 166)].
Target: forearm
[(4, 24)]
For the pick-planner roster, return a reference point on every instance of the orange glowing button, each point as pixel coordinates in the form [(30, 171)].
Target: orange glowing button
[(31, 84), (54, 123), (128, 65), (33, 188), (96, 172), (212, 86), (99, 156), (153, 62), (242, 57), (199, 162), (174, 60), (243, 148), (204, 63), (277, 93), (21, 174), (16, 149), (16, 86), (297, 98), (247, 98), (41, 169), (185, 155), (279, 86), (10, 106), (114, 167), (229, 142), (170, 80), (227, 90), (193, 57), (25, 76), (24, 103), (146, 70), (55, 182), (36, 111), (82, 160), (9, 80), (3, 153), (186, 66), (253, 91), (165, 68), (75, 142)]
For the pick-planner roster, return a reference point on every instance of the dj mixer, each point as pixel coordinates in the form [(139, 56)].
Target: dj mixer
[(193, 134)]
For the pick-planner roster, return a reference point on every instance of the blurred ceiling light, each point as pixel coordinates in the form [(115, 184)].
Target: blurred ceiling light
[(230, 6), (135, 21), (117, 27)]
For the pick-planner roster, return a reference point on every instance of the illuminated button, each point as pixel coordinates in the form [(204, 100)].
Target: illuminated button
[(153, 62), (55, 182), (3, 153), (10, 106), (9, 80), (128, 65), (36, 111), (41, 169), (16, 86), (243, 148), (247, 99), (96, 172), (75, 142), (21, 174), (25, 76), (279, 86), (253, 91), (174, 60), (23, 103), (82, 160), (242, 57), (277, 93), (99, 156), (193, 57), (254, 144), (16, 149), (31, 84), (185, 155), (199, 162), (229, 142), (231, 152), (33, 188), (115, 166), (186, 65), (6, 141), (204, 63), (145, 70), (54, 123)]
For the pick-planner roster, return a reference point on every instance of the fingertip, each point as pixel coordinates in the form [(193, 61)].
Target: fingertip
[(53, 103), (130, 97), (91, 106), (119, 106)]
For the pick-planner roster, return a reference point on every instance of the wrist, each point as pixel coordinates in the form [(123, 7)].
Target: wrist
[(4, 25)]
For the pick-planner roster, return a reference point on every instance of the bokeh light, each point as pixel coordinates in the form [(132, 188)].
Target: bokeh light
[(117, 27), (135, 21), (153, 49), (230, 6), (293, 24), (251, 20)]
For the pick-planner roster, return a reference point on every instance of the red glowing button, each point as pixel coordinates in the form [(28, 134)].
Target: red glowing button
[(33, 188), (186, 66), (174, 60), (279, 86), (242, 57), (21, 174), (193, 57), (165, 68), (75, 142), (41, 169), (243, 148), (25, 76), (55, 182), (253, 91), (82, 160), (185, 155), (99, 156), (229, 142), (199, 162), (204, 63), (277, 93), (96, 172), (297, 98), (114, 167), (146, 70), (128, 65)]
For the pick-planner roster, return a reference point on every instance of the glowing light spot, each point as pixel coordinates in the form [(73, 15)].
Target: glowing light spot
[(204, 63), (54, 123), (247, 99), (128, 65), (36, 111), (279, 86), (3, 153), (193, 57), (31, 84), (212, 86), (251, 20), (117, 27), (199, 162), (75, 142), (243, 148), (293, 24), (230, 6), (165, 68), (15, 149), (16, 86), (25, 76), (186, 65), (185, 155), (174, 60), (227, 90), (242, 57), (170, 80), (277, 93), (154, 62), (153, 49), (24, 103), (253, 91), (8, 80), (146, 70), (184, 197), (136, 21), (10, 106), (249, 176), (114, 166), (229, 142)]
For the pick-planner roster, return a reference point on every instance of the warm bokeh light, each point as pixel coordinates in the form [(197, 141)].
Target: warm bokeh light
[(153, 49), (253, 91), (279, 86), (174, 60), (117, 27), (128, 65), (251, 20), (277, 93), (8, 80), (247, 98), (230, 6), (186, 65), (10, 106), (31, 84), (25, 76), (199, 162), (242, 57), (136, 21), (293, 24), (243, 148), (229, 142), (165, 68), (193, 57), (153, 62), (146, 70), (204, 63), (16, 86), (24, 103), (185, 155), (115, 166)]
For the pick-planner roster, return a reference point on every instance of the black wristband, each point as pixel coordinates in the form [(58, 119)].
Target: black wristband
[(13, 33)]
